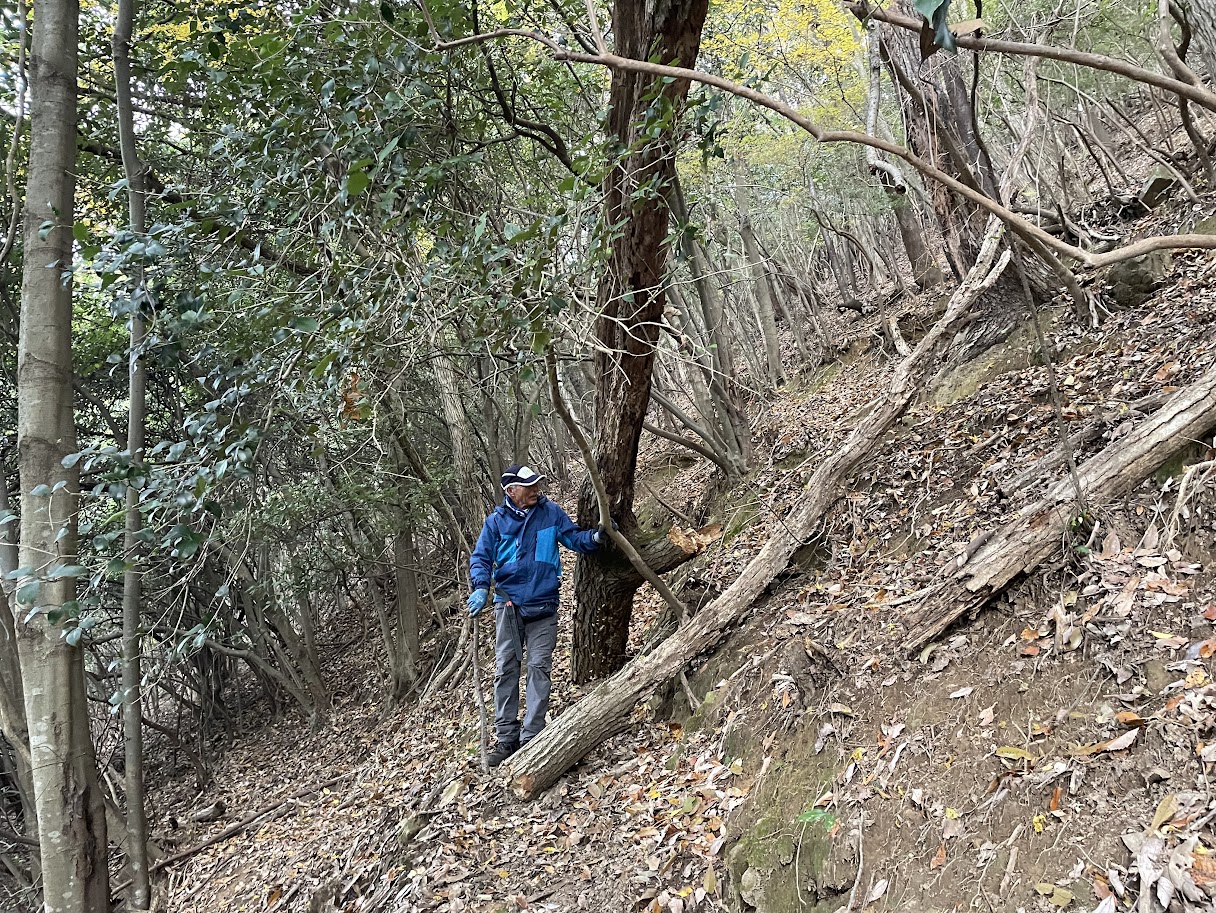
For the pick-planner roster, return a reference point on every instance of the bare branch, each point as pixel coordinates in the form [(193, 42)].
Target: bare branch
[(1197, 94), (1033, 234)]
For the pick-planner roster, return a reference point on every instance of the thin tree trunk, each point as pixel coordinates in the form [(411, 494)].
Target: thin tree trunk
[(140, 896), (463, 461), (12, 691), (405, 561), (71, 808), (691, 353), (720, 371), (925, 271), (764, 301)]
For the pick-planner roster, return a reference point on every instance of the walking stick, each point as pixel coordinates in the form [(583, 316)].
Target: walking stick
[(481, 700)]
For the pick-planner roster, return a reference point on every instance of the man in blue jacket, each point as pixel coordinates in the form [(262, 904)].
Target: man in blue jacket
[(517, 551)]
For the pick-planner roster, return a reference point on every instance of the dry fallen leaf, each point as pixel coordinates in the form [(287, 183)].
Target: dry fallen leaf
[(1111, 545), (1165, 811), (1203, 870), (952, 829), (962, 692), (1116, 744), (1011, 753), (1061, 898), (876, 892), (939, 858), (1166, 371)]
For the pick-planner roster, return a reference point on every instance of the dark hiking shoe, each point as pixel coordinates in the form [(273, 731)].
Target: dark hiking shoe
[(503, 751)]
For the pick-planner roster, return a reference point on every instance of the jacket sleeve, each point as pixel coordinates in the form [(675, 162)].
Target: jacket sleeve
[(481, 564), (569, 535)]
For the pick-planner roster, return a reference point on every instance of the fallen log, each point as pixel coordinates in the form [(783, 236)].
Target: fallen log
[(1017, 546), (604, 711), (1046, 465)]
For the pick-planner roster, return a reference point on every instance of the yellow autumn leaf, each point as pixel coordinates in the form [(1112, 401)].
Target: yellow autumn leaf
[(1165, 811), (1012, 753)]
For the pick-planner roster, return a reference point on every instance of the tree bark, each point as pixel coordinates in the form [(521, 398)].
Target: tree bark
[(1201, 16), (405, 561), (1034, 534), (925, 271), (604, 711), (926, 107), (140, 897), (71, 810), (630, 301)]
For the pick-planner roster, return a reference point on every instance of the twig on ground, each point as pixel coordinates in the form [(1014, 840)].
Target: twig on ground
[(1187, 489), (694, 703), (861, 820)]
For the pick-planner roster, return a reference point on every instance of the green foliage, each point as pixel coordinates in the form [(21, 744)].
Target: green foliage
[(937, 31)]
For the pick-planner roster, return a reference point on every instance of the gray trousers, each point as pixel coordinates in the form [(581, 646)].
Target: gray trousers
[(516, 638)]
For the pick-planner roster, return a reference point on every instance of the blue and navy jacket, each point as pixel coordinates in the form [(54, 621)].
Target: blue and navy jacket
[(518, 550)]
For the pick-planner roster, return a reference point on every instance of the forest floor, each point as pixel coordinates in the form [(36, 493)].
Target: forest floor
[(1052, 753)]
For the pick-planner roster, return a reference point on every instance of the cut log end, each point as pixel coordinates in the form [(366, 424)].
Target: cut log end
[(692, 541)]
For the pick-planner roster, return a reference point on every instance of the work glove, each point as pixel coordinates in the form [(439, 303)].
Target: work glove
[(600, 536), (477, 601)]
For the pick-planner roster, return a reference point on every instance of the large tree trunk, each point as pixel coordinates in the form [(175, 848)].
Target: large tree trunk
[(1201, 16), (71, 810), (925, 270), (938, 116), (605, 710), (630, 300), (1018, 546)]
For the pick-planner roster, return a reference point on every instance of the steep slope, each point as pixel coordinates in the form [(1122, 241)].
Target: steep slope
[(1050, 752)]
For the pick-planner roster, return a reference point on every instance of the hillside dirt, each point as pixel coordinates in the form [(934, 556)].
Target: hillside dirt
[(1053, 753)]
